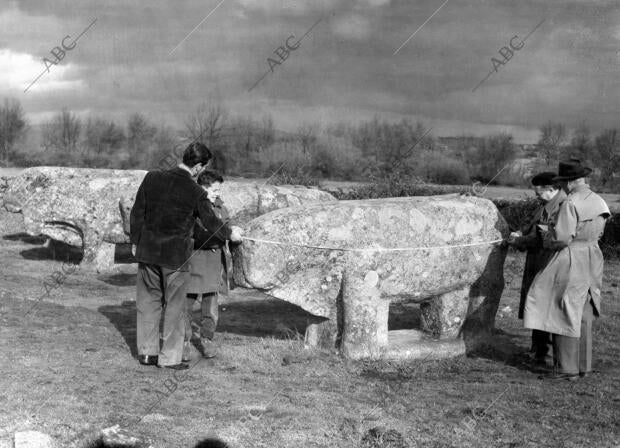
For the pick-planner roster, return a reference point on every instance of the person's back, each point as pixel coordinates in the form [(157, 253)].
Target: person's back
[(163, 217)]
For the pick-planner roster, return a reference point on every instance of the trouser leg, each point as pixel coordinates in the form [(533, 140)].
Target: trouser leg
[(566, 354), (189, 306), (208, 315), (585, 341), (149, 297), (574, 355), (174, 317), (542, 346)]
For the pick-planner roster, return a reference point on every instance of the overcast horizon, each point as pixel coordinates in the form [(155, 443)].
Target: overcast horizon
[(387, 58)]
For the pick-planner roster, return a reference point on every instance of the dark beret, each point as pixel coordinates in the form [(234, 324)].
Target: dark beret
[(542, 179)]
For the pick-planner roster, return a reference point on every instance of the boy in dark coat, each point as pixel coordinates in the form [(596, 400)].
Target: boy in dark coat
[(210, 268)]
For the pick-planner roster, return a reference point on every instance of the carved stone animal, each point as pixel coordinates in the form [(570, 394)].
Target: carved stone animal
[(346, 261), (90, 207)]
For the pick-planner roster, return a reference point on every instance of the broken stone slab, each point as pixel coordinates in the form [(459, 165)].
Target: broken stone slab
[(443, 252), (33, 439), (90, 207)]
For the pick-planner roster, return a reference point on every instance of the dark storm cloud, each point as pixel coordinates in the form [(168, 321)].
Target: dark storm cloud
[(345, 69)]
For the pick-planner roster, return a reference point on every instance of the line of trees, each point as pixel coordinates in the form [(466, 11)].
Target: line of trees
[(250, 146), (601, 151)]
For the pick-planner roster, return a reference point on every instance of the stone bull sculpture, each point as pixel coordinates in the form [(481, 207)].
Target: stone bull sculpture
[(345, 262), (90, 207)]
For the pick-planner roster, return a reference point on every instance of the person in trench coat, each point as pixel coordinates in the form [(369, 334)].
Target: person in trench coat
[(565, 296), (210, 268), (530, 240)]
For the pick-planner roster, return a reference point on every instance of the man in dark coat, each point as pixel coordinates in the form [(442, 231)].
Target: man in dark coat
[(161, 222), (530, 240)]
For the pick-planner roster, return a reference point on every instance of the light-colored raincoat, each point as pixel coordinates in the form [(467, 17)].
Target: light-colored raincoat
[(557, 296), (537, 256)]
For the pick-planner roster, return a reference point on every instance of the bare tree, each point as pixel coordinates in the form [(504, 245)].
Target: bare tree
[(12, 126), (307, 134), (62, 132), (103, 135), (140, 135), (491, 156), (607, 154), (581, 142), (552, 135), (165, 150), (206, 123), (266, 133)]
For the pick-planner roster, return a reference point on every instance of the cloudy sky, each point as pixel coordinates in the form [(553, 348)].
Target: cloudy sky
[(163, 58)]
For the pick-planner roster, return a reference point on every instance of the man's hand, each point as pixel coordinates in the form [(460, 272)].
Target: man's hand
[(235, 235), (133, 250), (513, 237)]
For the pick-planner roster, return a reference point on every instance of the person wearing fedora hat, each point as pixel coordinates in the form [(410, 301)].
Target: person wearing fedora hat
[(565, 296), (530, 239)]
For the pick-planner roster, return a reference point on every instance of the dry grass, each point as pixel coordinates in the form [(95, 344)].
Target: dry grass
[(70, 370)]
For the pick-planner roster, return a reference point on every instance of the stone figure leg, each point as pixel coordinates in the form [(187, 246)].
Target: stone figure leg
[(98, 255), (326, 333), (323, 334), (443, 316), (365, 314), (104, 257)]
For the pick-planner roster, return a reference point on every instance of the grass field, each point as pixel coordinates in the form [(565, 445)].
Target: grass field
[(69, 369)]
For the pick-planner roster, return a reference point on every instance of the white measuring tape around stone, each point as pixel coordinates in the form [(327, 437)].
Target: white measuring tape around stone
[(380, 249)]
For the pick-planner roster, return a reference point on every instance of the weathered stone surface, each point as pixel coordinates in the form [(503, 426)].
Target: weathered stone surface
[(79, 206), (33, 439), (245, 201), (90, 207), (443, 263), (117, 436)]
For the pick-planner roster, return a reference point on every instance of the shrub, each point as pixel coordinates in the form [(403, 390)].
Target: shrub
[(394, 186), (440, 169), (295, 176), (517, 213)]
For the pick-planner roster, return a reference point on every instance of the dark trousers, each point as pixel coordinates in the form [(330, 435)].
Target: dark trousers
[(160, 289), (574, 355), (542, 346), (209, 314)]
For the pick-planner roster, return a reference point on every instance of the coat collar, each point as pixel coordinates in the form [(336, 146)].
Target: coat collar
[(555, 202), (185, 168), (177, 170), (580, 188)]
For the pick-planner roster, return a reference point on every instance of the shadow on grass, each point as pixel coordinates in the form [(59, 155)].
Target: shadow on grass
[(121, 279), (255, 318), (25, 238), (56, 251), (500, 346), (261, 318), (123, 317)]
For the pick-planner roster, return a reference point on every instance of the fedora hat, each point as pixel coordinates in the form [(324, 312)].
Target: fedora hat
[(572, 170)]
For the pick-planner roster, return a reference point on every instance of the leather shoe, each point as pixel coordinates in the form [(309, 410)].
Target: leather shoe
[(148, 360), (208, 348), (187, 352), (181, 366), (560, 376)]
